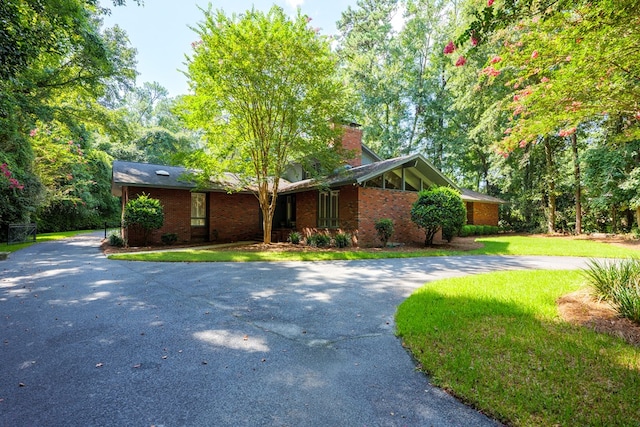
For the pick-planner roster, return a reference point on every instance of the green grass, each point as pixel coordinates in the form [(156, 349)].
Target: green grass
[(44, 237), (496, 341), (552, 246), (503, 245)]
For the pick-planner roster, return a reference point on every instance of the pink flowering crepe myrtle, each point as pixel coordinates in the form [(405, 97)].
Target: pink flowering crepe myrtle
[(5, 174)]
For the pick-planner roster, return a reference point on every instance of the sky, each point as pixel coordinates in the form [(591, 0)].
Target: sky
[(160, 32)]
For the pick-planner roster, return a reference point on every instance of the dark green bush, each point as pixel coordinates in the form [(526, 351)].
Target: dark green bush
[(144, 213), (318, 239), (169, 238), (116, 240), (294, 237), (342, 240), (384, 228), (439, 208)]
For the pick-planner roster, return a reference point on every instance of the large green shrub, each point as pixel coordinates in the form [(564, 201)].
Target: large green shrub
[(144, 213), (384, 228), (439, 207)]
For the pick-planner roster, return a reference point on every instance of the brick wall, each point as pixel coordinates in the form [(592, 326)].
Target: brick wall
[(234, 217), (377, 203), (176, 205), (482, 213)]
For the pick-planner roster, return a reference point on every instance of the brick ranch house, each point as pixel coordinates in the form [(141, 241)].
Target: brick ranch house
[(352, 200)]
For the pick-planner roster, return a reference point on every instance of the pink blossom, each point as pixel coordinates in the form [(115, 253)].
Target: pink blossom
[(14, 183), (507, 131), (568, 58), (309, 19), (489, 3), (519, 109), (567, 132), (534, 54), (474, 41), (637, 115), (523, 143), (33, 132), (449, 48), (495, 59), (544, 79), (490, 71), (461, 61)]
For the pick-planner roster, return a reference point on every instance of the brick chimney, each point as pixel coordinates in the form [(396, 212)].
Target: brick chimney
[(352, 141)]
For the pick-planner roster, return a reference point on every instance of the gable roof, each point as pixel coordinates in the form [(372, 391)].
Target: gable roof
[(361, 174)]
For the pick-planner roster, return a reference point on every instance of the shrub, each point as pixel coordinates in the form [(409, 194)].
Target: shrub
[(342, 240), (440, 207), (384, 228), (618, 283), (144, 213), (116, 240), (169, 238), (319, 240), (294, 237)]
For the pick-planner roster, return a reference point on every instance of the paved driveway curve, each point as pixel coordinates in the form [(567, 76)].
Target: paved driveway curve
[(87, 341)]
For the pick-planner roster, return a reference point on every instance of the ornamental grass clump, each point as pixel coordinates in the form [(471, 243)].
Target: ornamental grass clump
[(618, 283)]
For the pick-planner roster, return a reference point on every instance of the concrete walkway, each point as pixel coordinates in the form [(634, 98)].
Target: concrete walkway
[(85, 341)]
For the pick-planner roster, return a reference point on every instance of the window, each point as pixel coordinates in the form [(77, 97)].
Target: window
[(198, 209), (328, 209)]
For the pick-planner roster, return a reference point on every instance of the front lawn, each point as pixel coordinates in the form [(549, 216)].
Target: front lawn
[(500, 245), (496, 341)]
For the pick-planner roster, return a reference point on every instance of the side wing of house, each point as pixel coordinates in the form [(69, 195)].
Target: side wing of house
[(192, 214)]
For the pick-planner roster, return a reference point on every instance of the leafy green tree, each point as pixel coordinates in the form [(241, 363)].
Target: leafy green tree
[(369, 52), (439, 208), (266, 94), (145, 214), (55, 63)]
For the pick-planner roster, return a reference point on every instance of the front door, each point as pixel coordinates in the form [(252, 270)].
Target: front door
[(199, 217)]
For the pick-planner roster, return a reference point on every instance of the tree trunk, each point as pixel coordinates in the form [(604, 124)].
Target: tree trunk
[(267, 206), (551, 218), (638, 217), (578, 185)]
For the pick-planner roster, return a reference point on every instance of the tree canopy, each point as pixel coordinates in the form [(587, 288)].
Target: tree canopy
[(265, 94)]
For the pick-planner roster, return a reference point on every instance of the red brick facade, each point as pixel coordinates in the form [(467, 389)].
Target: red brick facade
[(359, 208), (378, 203), (232, 217), (482, 213)]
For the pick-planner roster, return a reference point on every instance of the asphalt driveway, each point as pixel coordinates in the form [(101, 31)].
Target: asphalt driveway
[(85, 341)]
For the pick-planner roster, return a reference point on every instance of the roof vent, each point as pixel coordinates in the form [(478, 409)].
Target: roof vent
[(162, 172)]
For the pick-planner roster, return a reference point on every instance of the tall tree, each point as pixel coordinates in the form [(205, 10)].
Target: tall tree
[(55, 63), (265, 94), (369, 51)]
